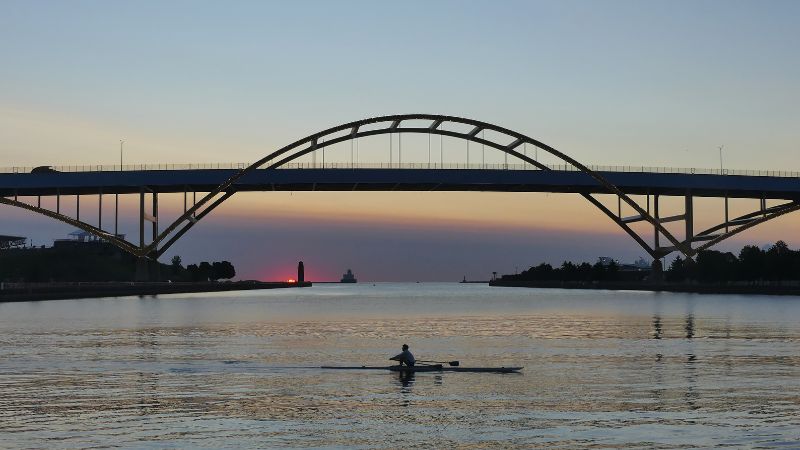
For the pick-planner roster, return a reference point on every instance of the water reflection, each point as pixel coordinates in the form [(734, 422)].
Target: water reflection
[(690, 306), (689, 327), (406, 379), (190, 373), (691, 396), (657, 327)]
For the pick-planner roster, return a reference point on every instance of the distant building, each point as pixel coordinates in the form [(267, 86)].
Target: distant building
[(605, 261), (348, 277), (641, 264), (7, 242), (79, 237), (82, 236)]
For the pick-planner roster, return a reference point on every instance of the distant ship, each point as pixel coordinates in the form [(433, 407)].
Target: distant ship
[(349, 277)]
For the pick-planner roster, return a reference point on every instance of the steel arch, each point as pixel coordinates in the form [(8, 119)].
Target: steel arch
[(314, 142)]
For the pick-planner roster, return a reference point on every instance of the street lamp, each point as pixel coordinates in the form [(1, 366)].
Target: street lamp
[(121, 141), (720, 158), (116, 196)]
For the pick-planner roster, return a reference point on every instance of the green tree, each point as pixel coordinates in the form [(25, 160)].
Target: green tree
[(585, 272), (778, 261), (206, 271), (599, 271), (222, 270), (194, 272), (714, 266), (751, 263), (228, 271), (176, 264), (676, 270), (568, 271), (612, 271)]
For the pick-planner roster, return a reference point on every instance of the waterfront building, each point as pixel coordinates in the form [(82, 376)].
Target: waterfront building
[(8, 242), (641, 264), (349, 277)]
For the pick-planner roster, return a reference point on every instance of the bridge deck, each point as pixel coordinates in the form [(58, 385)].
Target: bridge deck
[(166, 181)]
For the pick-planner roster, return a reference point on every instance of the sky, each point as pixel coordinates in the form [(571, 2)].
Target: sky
[(606, 82)]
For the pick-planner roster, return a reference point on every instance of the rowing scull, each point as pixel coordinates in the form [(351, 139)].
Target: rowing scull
[(431, 368)]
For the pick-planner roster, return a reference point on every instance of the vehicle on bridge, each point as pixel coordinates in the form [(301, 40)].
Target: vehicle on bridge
[(44, 169)]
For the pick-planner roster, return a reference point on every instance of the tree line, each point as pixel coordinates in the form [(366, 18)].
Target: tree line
[(776, 263), (97, 261), (205, 271), (570, 271)]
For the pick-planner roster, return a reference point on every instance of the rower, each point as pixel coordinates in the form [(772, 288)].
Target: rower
[(405, 357)]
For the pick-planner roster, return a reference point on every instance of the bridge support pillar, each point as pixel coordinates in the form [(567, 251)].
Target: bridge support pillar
[(147, 269), (689, 219), (155, 270), (100, 209), (142, 269), (656, 233), (116, 215), (727, 215), (155, 216), (141, 218)]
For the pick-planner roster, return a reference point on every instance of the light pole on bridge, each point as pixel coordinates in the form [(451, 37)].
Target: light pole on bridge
[(116, 196), (720, 158)]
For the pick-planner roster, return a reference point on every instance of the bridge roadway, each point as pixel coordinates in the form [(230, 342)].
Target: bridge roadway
[(361, 179)]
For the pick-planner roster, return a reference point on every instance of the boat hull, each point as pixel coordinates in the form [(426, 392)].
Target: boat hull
[(483, 369), (434, 368)]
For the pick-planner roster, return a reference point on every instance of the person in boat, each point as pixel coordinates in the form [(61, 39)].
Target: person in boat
[(405, 357)]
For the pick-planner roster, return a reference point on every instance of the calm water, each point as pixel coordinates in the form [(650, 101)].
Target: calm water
[(602, 369)]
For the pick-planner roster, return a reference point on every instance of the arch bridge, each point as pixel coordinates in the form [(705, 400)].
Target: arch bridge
[(280, 170)]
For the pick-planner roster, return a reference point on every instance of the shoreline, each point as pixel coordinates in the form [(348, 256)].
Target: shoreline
[(790, 290), (23, 292)]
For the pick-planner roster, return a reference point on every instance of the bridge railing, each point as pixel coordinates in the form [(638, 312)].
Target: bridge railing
[(440, 166), (129, 167)]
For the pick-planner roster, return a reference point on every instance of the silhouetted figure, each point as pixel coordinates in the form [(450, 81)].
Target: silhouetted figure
[(301, 272), (405, 357)]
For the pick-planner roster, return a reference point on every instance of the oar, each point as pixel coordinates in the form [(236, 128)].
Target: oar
[(451, 363)]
